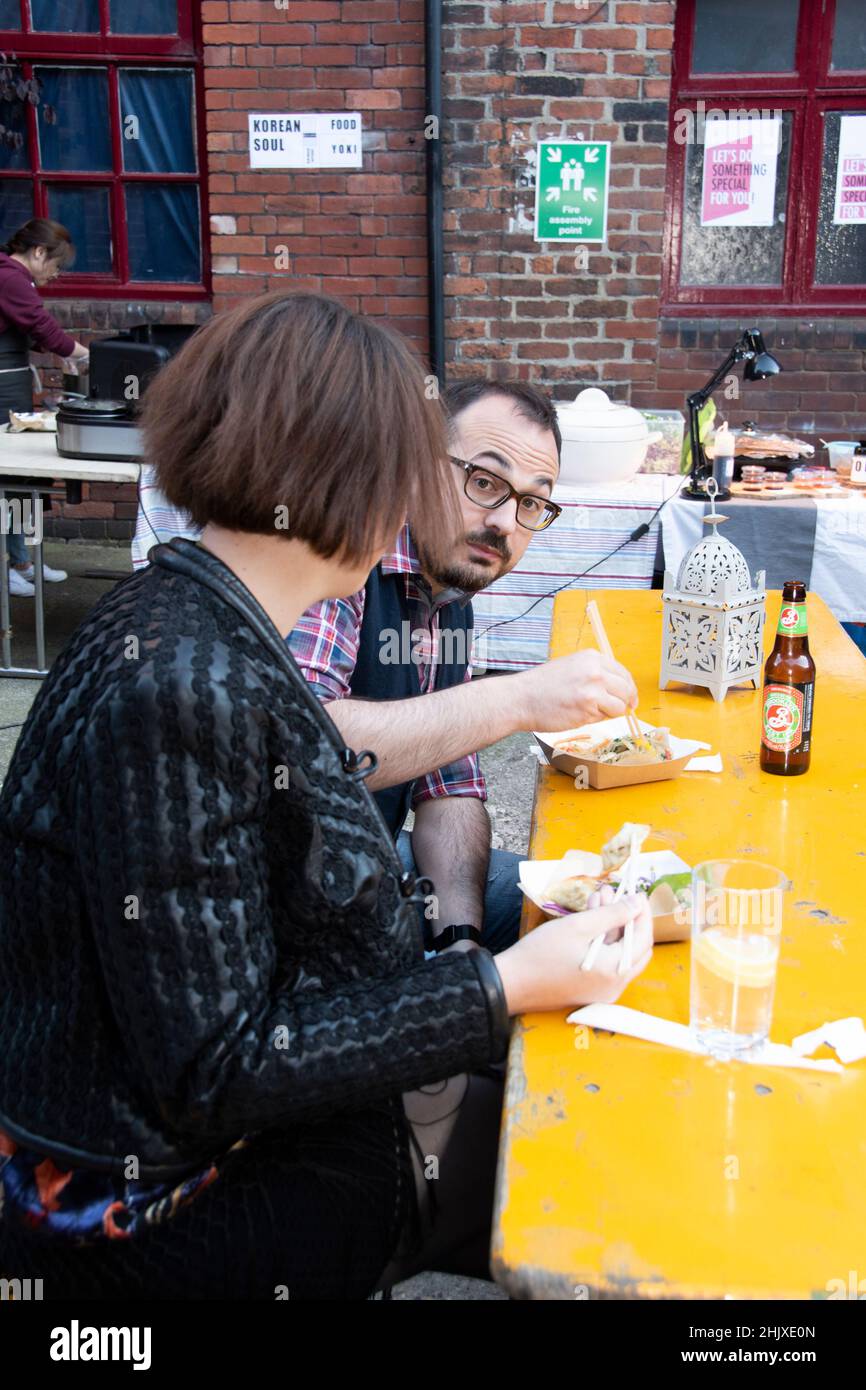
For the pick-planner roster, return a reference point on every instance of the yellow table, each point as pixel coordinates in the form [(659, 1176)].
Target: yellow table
[(630, 1170)]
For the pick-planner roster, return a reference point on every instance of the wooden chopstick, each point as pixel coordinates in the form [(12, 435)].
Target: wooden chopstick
[(603, 641)]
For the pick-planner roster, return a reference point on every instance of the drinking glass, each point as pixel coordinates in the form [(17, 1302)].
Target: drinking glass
[(736, 933)]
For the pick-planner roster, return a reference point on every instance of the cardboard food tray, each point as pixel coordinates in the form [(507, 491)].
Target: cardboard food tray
[(537, 874), (603, 776)]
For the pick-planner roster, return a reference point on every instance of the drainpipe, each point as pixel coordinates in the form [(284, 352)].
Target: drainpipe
[(435, 200)]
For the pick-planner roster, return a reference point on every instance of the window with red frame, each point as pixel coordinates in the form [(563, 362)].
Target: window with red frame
[(111, 148), (802, 64)]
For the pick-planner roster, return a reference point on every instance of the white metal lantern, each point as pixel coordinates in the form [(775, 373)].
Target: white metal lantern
[(713, 618)]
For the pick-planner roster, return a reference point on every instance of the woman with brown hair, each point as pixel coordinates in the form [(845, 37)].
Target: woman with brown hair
[(32, 257), (226, 1066)]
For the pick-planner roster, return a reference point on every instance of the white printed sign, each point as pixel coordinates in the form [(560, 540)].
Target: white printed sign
[(850, 201), (311, 140), (739, 183)]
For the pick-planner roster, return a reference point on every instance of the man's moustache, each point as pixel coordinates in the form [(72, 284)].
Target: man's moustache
[(492, 542)]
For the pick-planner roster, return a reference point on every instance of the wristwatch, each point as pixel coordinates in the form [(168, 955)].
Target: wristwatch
[(448, 937)]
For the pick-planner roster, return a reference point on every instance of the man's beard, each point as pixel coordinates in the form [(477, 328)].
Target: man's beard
[(470, 578)]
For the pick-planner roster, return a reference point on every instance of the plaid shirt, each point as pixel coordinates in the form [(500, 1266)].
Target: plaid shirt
[(325, 644)]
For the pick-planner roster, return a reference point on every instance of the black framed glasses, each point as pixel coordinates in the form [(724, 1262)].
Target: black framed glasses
[(489, 490)]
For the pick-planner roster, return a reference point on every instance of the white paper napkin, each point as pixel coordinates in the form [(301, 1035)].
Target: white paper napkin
[(711, 764), (846, 1036), (616, 1018)]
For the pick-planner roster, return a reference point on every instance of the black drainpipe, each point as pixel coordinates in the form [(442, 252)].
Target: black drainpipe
[(435, 202)]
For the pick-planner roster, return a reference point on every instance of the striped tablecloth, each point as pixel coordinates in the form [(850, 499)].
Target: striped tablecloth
[(594, 521)]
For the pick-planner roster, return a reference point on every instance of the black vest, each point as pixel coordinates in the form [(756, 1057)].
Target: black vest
[(384, 669)]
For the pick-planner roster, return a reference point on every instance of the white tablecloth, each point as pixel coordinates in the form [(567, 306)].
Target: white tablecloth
[(838, 568), (593, 523)]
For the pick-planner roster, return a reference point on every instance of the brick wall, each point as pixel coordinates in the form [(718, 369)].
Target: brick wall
[(356, 234), (522, 72), (820, 390), (519, 72)]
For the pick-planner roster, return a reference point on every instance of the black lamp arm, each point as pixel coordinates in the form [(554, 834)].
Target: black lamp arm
[(741, 350)]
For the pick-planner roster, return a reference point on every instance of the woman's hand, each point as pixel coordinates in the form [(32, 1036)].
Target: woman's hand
[(542, 971)]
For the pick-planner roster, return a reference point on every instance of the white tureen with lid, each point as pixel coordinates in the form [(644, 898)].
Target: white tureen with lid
[(603, 441)]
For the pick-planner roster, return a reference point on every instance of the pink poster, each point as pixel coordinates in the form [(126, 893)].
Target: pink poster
[(739, 176), (850, 203)]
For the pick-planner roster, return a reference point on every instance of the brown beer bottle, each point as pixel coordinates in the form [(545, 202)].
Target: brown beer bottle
[(789, 690)]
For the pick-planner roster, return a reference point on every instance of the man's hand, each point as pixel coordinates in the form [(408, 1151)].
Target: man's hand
[(574, 690)]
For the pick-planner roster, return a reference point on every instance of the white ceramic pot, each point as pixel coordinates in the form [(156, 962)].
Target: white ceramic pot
[(603, 441)]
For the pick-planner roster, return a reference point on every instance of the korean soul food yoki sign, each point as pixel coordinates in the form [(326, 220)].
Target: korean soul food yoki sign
[(739, 175), (308, 140)]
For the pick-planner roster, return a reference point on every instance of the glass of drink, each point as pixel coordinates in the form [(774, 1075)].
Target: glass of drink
[(736, 932)]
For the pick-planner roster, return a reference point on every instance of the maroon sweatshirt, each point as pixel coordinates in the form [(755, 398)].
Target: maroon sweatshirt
[(21, 307)]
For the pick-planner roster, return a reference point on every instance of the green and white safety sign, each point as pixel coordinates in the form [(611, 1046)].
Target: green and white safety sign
[(571, 190)]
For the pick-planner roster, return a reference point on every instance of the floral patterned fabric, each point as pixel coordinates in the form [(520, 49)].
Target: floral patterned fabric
[(81, 1204)]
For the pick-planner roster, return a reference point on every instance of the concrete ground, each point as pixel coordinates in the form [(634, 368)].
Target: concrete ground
[(508, 767)]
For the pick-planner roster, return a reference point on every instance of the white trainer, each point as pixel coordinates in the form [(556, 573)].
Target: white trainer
[(19, 584), (48, 574)]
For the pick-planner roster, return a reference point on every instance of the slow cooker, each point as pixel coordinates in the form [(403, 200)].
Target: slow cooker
[(94, 429)]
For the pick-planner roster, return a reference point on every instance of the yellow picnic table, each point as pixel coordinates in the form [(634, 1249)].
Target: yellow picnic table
[(631, 1170)]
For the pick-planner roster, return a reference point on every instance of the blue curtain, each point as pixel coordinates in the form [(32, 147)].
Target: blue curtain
[(81, 138), (10, 14), (85, 212), (65, 16), (144, 16), (13, 117), (16, 205), (164, 232), (163, 106)]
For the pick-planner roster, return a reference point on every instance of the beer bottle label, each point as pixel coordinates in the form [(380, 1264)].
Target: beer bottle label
[(792, 620), (787, 717)]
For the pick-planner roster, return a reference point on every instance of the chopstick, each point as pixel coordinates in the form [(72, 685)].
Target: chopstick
[(626, 884), (603, 641)]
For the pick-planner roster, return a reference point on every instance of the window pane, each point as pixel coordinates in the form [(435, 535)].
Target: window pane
[(144, 16), (13, 135), (65, 16), (10, 14), (732, 255), (160, 139), (742, 36), (85, 214), (840, 257), (164, 233), (16, 205), (80, 137), (849, 36)]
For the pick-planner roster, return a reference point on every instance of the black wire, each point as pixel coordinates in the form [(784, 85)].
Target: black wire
[(636, 535), (4, 727)]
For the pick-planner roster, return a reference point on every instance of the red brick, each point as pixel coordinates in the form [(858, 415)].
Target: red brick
[(372, 101), (342, 33), (644, 13), (336, 55), (230, 33), (608, 38)]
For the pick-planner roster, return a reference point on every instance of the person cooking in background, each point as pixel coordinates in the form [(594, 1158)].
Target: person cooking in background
[(32, 257)]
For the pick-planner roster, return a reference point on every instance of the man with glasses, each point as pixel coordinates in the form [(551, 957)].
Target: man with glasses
[(393, 664)]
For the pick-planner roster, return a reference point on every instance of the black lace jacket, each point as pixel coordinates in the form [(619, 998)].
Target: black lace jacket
[(204, 927)]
